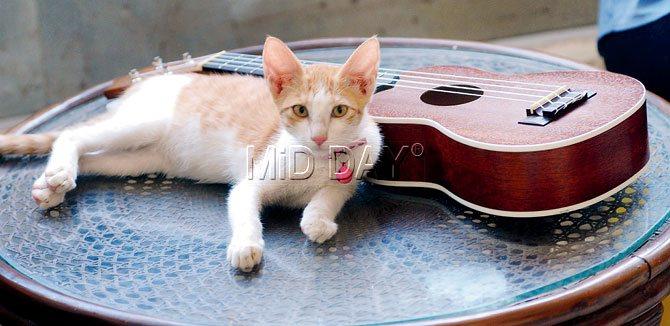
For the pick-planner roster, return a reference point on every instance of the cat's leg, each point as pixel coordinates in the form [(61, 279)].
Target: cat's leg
[(128, 163), (318, 218), (61, 171), (245, 249)]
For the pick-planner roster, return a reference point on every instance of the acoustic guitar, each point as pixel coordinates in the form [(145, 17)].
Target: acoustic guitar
[(512, 145)]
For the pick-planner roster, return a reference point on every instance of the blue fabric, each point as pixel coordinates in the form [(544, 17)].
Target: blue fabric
[(642, 52), (620, 15)]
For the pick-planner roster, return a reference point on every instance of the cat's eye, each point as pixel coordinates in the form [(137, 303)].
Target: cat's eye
[(340, 111), (300, 110)]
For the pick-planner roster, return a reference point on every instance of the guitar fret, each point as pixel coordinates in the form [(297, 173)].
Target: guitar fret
[(259, 67), (244, 64), (220, 66)]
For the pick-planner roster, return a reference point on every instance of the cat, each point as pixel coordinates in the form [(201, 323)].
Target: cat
[(211, 127)]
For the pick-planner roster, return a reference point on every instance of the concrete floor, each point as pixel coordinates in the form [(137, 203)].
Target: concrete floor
[(6, 123), (578, 44)]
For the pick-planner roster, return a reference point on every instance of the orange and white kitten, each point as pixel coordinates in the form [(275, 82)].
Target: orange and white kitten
[(201, 127)]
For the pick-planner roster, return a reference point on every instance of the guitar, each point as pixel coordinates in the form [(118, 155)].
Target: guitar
[(512, 145)]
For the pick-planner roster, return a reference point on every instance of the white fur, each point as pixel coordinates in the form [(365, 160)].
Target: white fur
[(141, 136)]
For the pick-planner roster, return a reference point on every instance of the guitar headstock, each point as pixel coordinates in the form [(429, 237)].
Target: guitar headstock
[(158, 67)]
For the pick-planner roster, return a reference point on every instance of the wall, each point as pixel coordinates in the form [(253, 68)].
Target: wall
[(53, 49)]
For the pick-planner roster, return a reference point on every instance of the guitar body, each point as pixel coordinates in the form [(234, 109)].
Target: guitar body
[(479, 154)]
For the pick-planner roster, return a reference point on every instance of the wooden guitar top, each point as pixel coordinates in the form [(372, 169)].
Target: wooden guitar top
[(489, 122)]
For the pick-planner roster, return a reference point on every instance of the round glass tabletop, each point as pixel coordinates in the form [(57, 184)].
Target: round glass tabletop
[(156, 247)]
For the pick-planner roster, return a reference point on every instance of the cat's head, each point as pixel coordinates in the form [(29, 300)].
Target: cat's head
[(321, 105)]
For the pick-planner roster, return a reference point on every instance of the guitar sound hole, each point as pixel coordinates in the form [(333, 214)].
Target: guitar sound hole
[(451, 95)]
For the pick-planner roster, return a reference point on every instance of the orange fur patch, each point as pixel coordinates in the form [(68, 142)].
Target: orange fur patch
[(28, 144), (245, 104), (242, 103)]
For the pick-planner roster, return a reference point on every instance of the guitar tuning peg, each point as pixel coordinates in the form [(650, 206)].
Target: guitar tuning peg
[(158, 64), (158, 61), (187, 58), (134, 75)]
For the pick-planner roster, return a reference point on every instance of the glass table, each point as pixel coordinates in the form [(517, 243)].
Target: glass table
[(152, 249)]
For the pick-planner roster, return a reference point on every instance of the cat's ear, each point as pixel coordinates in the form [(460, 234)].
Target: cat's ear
[(280, 65), (360, 70)]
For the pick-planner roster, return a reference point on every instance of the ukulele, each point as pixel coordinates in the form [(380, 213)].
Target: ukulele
[(513, 145)]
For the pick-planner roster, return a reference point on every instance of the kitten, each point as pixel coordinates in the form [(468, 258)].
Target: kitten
[(211, 127)]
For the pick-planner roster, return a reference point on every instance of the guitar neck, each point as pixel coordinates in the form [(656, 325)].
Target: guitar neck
[(222, 62)]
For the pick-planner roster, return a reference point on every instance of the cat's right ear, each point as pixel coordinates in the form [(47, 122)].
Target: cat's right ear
[(280, 65)]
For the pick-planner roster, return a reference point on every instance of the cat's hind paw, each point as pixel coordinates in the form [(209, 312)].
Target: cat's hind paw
[(44, 196), (244, 255), (318, 229)]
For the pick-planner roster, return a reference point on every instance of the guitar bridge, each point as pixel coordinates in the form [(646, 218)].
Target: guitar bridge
[(554, 105)]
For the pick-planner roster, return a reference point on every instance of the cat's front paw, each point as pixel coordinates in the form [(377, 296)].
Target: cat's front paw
[(318, 229), (44, 196), (60, 178), (244, 255)]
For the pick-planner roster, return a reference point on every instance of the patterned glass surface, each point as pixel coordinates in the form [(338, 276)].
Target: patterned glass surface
[(156, 246)]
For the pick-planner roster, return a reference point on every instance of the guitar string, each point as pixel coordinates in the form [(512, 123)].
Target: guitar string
[(396, 84), (220, 66), (406, 80), (245, 64), (455, 92), (537, 97), (399, 70), (227, 63), (237, 55), (253, 58), (445, 80)]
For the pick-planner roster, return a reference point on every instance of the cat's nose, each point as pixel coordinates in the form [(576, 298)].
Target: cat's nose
[(319, 139)]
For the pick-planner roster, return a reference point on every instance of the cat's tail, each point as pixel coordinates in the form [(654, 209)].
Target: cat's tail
[(27, 144)]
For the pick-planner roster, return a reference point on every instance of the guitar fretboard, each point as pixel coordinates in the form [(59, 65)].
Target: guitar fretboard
[(245, 64), (236, 63)]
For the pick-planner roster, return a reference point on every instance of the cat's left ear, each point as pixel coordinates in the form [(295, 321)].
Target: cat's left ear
[(360, 70), (280, 65)]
